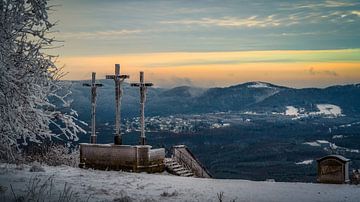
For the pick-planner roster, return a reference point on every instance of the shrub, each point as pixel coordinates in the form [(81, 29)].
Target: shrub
[(53, 155)]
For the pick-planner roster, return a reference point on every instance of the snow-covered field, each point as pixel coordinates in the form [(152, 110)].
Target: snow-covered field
[(329, 145), (314, 144), (305, 162), (326, 110), (329, 109), (291, 111), (94, 185)]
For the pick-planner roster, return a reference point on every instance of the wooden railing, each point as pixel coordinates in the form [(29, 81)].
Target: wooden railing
[(184, 156)]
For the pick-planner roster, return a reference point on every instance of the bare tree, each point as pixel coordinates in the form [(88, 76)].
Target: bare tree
[(31, 94)]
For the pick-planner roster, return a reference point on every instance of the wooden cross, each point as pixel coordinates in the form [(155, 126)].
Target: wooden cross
[(93, 86), (118, 78), (143, 87)]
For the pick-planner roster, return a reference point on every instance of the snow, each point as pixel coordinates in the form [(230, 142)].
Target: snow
[(306, 162), (314, 144), (250, 113), (323, 141), (291, 111), (333, 146), (325, 110), (329, 109), (109, 185), (259, 85), (83, 122), (337, 136), (349, 125), (354, 150)]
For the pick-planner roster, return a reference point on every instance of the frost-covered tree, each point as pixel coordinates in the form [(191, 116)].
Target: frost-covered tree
[(31, 95)]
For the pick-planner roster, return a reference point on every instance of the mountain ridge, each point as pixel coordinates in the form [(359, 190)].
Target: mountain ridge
[(249, 96)]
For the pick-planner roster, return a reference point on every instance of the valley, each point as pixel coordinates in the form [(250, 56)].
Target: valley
[(246, 131)]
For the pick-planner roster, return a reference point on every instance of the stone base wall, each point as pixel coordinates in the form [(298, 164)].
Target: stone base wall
[(140, 158)]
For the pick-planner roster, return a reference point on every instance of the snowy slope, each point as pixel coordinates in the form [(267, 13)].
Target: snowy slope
[(110, 185)]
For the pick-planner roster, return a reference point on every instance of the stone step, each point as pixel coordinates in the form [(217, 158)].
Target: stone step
[(183, 172), (188, 175), (177, 168), (170, 162), (173, 164)]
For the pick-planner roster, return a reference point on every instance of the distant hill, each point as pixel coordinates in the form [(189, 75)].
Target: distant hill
[(251, 96)]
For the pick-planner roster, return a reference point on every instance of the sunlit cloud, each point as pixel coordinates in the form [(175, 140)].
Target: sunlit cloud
[(268, 21), (312, 71), (204, 69), (356, 13), (322, 4), (227, 21), (243, 57)]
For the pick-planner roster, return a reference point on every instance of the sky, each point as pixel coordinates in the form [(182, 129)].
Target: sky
[(209, 43)]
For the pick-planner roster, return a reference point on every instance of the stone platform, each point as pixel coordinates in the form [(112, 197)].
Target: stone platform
[(134, 158)]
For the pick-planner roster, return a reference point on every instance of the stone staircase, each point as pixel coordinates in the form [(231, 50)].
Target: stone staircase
[(173, 167)]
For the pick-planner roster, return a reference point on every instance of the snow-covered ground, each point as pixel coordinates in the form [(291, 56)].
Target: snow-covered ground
[(329, 145), (305, 162), (349, 125), (314, 144), (329, 109), (325, 110), (323, 141), (291, 111), (338, 136), (259, 85), (94, 185)]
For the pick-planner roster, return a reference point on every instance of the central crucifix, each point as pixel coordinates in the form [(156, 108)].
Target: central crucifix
[(143, 87), (118, 78)]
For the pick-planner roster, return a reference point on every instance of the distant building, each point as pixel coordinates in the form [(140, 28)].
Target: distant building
[(333, 169)]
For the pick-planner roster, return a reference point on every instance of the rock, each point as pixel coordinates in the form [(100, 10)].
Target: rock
[(36, 167)]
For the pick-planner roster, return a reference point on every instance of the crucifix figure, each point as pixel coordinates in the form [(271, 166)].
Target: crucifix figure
[(93, 86), (118, 78), (143, 87)]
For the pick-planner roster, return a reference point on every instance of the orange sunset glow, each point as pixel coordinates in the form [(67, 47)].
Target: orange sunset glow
[(291, 68)]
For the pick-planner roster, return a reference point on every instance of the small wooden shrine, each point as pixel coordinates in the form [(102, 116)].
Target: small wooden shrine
[(333, 169)]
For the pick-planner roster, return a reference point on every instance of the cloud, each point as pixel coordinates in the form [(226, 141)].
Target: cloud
[(356, 13), (182, 81), (320, 5), (174, 81), (228, 21), (110, 34), (184, 59), (312, 71), (188, 10), (275, 20), (332, 4), (326, 11)]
